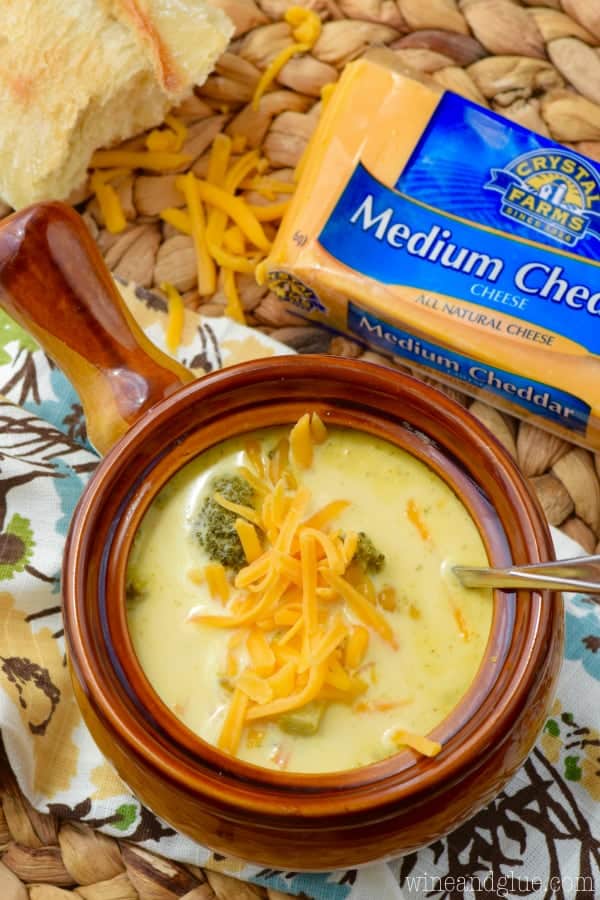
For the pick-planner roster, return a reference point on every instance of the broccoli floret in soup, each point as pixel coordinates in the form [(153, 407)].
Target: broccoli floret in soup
[(367, 555), (215, 526)]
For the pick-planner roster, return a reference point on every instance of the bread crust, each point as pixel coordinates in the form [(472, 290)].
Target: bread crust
[(76, 75), (136, 14)]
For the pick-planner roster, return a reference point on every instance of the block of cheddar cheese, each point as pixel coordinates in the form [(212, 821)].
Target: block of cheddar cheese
[(431, 228)]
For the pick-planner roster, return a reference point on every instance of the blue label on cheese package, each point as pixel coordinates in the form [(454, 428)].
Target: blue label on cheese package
[(470, 243), (397, 237), (480, 168), (557, 406)]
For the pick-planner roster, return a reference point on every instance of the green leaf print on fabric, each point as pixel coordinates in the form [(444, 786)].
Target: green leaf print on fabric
[(16, 547), (574, 748), (9, 332), (127, 814), (552, 728), (572, 768)]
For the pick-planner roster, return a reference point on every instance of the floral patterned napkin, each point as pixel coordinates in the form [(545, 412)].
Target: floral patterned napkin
[(539, 839)]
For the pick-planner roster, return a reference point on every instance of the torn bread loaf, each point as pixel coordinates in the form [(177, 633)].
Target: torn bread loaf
[(76, 75)]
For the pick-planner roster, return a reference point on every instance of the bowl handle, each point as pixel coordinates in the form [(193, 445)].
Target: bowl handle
[(55, 284)]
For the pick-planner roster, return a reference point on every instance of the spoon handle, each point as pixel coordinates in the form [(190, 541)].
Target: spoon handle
[(578, 574), (54, 282)]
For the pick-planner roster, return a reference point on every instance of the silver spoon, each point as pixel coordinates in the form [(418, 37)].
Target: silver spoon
[(579, 574)]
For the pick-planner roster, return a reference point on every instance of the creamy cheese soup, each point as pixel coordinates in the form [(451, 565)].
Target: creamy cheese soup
[(376, 677)]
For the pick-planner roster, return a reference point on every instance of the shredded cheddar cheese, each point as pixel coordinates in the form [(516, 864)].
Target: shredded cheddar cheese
[(227, 230), (306, 24), (306, 29), (306, 694), (234, 240), (226, 182), (219, 159), (301, 443), (234, 723), (362, 606), (216, 580), (261, 653), (169, 139), (417, 742), (256, 688), (240, 212), (273, 70), (356, 647), (207, 276), (108, 200), (324, 516), (176, 316), (159, 140), (249, 539), (179, 131), (241, 169), (268, 187), (157, 161), (233, 308), (269, 213), (178, 218), (318, 430), (302, 614), (227, 260), (245, 512)]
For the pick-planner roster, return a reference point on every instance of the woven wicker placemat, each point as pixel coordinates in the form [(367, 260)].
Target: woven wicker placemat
[(536, 62), (45, 859)]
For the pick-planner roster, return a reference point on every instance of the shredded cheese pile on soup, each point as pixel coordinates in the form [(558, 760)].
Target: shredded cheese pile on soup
[(286, 598)]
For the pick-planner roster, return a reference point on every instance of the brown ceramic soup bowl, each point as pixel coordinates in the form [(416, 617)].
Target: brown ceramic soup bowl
[(53, 281)]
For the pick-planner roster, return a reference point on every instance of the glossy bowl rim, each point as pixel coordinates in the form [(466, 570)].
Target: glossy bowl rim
[(497, 727)]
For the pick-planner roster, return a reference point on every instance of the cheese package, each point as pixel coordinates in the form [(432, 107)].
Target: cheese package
[(431, 228)]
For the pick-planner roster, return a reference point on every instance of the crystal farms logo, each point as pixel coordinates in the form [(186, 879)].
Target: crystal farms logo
[(290, 288), (553, 192)]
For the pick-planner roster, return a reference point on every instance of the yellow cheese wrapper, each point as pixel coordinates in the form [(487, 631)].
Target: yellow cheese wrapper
[(432, 228)]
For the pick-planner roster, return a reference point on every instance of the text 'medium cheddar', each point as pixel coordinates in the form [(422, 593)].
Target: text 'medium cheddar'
[(431, 228)]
